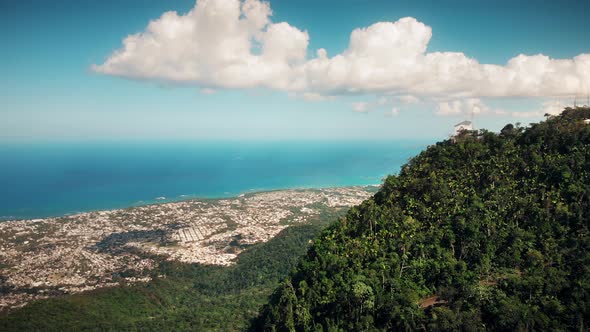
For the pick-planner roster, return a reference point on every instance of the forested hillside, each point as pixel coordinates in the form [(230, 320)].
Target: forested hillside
[(485, 232)]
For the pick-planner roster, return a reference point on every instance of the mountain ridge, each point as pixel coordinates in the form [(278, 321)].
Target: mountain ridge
[(482, 232)]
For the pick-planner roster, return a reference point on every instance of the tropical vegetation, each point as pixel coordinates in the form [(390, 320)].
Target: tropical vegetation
[(483, 231)]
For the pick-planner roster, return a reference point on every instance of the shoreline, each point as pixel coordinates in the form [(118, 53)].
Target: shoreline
[(65, 255), (182, 198)]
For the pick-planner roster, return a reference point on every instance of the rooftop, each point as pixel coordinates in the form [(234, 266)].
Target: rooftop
[(463, 123)]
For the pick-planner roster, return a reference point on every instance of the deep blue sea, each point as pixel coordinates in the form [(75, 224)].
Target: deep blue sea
[(52, 179)]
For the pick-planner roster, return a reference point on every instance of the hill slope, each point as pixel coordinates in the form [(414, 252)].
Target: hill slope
[(490, 232), (189, 297)]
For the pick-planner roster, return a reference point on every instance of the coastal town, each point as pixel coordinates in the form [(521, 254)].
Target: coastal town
[(41, 258)]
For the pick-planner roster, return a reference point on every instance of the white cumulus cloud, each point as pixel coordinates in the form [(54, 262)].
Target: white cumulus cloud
[(409, 99), (464, 107), (217, 44), (208, 91), (361, 107), (234, 44), (551, 107), (392, 112)]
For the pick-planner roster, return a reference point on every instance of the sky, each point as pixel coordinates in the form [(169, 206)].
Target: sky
[(79, 70)]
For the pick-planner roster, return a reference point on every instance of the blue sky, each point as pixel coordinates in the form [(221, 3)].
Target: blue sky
[(50, 91)]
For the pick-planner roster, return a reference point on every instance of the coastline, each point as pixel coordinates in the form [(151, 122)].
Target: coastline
[(70, 254), (185, 198), (55, 180)]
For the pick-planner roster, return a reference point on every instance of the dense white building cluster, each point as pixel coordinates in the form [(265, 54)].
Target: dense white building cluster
[(44, 257)]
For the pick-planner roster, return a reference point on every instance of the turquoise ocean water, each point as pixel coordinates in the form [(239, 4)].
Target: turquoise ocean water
[(52, 179)]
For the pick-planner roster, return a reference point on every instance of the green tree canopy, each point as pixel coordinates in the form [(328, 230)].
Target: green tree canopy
[(484, 232)]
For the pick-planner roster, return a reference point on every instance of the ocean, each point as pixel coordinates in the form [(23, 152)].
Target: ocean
[(39, 180)]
